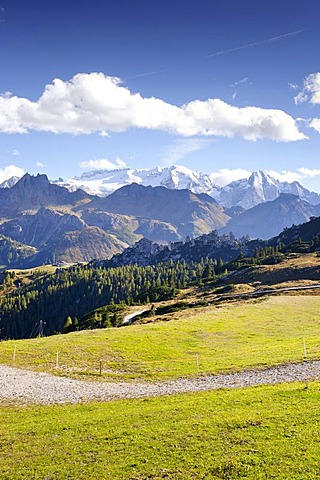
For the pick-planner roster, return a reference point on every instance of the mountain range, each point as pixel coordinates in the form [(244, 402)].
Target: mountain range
[(75, 226), (43, 222), (248, 192)]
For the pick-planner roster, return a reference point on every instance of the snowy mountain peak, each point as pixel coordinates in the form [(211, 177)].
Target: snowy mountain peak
[(104, 182), (246, 193), (260, 177), (260, 187)]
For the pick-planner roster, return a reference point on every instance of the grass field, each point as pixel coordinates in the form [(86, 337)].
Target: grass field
[(255, 433), (195, 342)]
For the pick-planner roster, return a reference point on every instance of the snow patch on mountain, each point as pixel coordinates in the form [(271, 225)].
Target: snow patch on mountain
[(104, 182)]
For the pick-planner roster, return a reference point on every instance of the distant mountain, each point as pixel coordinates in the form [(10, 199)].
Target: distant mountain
[(261, 187), (104, 182), (73, 226), (33, 192), (269, 219), (9, 182), (51, 223), (246, 193), (191, 214)]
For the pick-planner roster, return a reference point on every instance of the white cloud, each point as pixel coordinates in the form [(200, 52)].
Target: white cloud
[(97, 103), (224, 176), (10, 171), (40, 164), (215, 117), (315, 124), (285, 175), (15, 152), (311, 90), (181, 148), (309, 172), (103, 164), (295, 176)]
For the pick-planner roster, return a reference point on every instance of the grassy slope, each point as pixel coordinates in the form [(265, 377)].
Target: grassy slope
[(229, 338), (255, 433)]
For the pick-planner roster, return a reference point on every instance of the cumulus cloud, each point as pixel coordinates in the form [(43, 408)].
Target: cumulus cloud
[(224, 176), (40, 164), (311, 90), (98, 103), (10, 171), (15, 152), (309, 172), (296, 175), (103, 164)]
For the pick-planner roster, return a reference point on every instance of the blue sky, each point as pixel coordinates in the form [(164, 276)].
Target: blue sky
[(228, 84)]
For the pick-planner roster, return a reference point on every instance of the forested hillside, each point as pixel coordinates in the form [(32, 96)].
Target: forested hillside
[(59, 300), (63, 301)]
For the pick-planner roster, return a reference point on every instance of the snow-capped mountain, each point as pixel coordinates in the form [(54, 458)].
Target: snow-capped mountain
[(104, 182), (246, 193), (260, 187), (9, 182)]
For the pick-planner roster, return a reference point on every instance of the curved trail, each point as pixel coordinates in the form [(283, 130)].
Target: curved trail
[(43, 388)]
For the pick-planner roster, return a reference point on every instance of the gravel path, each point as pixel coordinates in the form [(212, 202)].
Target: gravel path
[(43, 388)]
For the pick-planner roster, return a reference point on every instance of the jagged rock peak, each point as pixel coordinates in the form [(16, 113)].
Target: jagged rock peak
[(32, 180)]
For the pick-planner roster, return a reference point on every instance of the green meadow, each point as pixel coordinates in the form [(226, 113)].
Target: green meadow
[(195, 342), (255, 433), (266, 432)]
